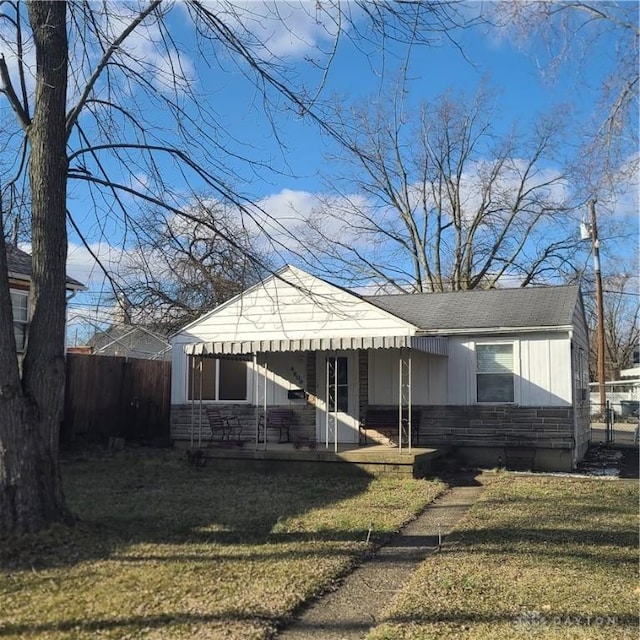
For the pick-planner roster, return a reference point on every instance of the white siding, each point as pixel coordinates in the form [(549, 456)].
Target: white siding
[(438, 381), (461, 371), (293, 306), (428, 376), (285, 370), (303, 307), (383, 377), (542, 369), (546, 371)]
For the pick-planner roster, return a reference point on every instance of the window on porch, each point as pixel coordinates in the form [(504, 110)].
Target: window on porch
[(494, 372), (219, 380)]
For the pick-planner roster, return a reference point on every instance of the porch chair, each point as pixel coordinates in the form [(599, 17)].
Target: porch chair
[(221, 425), (282, 419)]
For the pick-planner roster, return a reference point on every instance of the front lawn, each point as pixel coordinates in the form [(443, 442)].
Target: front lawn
[(164, 550), (545, 558)]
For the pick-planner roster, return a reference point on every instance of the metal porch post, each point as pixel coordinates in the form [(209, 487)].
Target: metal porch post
[(326, 402), (256, 398), (192, 365), (335, 405), (200, 405), (261, 400), (329, 400), (404, 396)]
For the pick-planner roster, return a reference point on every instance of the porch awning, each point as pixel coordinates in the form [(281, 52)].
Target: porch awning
[(435, 345)]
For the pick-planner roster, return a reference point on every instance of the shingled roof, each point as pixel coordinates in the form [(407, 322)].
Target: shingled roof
[(19, 263), (477, 309)]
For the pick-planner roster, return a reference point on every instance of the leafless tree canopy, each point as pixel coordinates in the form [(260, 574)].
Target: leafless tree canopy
[(589, 33), (181, 268), (621, 324), (442, 200)]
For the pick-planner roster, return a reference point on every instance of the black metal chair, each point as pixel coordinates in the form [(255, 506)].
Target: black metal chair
[(224, 426)]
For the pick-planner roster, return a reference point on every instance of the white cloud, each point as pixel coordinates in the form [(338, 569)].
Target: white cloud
[(287, 207), (290, 216), (82, 265), (282, 29)]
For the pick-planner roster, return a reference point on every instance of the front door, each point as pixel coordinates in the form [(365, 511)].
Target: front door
[(337, 376)]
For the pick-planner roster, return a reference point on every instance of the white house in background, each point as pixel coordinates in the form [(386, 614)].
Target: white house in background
[(498, 375), (129, 341), (20, 269)]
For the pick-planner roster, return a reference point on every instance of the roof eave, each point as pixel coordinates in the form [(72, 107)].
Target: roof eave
[(73, 285), (19, 276), (493, 330)]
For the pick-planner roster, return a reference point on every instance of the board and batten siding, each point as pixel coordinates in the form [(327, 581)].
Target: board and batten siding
[(582, 407), (291, 306), (542, 368), (428, 378)]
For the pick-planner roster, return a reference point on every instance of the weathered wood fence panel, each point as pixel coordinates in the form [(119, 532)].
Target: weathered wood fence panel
[(112, 397)]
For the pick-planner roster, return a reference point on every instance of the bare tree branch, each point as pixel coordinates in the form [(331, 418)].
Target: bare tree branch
[(446, 200)]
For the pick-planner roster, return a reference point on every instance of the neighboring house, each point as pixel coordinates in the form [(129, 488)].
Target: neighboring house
[(130, 341), (498, 375), (19, 263)]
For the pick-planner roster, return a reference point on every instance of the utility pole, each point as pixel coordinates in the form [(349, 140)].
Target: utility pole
[(599, 304)]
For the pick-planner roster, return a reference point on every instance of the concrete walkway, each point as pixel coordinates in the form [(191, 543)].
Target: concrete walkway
[(350, 611)]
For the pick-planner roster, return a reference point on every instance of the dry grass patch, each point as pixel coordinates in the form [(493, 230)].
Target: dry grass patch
[(164, 550), (548, 558)]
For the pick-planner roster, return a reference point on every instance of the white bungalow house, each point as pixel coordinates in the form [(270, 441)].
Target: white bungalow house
[(496, 376)]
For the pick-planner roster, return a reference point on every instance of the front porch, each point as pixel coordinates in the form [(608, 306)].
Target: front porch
[(349, 459)]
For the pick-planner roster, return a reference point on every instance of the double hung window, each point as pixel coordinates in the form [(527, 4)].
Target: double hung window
[(494, 372), (20, 307)]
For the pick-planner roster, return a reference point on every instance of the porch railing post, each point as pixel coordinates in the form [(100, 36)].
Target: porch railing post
[(335, 405), (192, 365), (409, 399), (400, 375), (326, 402), (260, 396), (200, 404), (256, 398), (404, 396)]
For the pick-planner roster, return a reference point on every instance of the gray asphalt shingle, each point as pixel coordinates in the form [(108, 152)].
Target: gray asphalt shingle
[(509, 308), (20, 264)]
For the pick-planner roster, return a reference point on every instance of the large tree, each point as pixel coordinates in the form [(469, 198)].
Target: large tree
[(443, 199), (85, 83), (180, 268)]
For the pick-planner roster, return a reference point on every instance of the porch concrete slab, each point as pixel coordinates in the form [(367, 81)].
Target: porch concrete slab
[(359, 602), (373, 459)]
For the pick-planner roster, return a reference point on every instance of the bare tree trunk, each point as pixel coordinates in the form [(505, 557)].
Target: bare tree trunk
[(31, 494)]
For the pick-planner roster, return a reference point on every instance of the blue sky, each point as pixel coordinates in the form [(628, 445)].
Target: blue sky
[(517, 71), (514, 72)]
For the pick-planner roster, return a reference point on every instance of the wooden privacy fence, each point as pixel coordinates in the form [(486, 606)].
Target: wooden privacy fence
[(112, 397)]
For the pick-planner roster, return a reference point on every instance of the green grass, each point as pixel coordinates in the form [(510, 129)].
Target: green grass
[(547, 558), (164, 550)]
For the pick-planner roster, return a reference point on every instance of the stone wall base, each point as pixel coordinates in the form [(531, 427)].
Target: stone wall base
[(515, 458)]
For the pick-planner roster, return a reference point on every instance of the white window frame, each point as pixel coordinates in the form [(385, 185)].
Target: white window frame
[(514, 370), (216, 399), (25, 323)]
